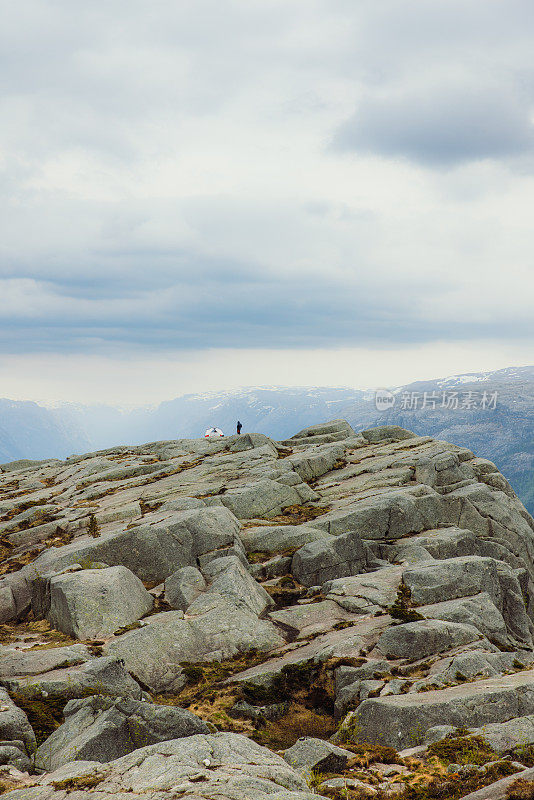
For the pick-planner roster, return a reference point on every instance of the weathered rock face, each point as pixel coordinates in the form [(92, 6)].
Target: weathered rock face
[(199, 767), (96, 602), (183, 586), (402, 721), (14, 725), (104, 729), (61, 682), (381, 575)]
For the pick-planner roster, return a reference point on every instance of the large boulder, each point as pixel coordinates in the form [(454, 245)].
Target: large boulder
[(366, 594), (36, 662), (200, 767), (263, 498), (386, 433), (388, 516), (94, 603), (8, 604), (440, 543), (13, 754), (279, 538), (479, 611), (416, 640), (473, 664), (309, 619), (450, 542), (230, 581), (309, 754), (155, 652), (106, 675), (434, 581), (317, 461), (401, 721), (152, 550), (323, 560), (323, 432), (506, 736), (103, 729), (184, 586)]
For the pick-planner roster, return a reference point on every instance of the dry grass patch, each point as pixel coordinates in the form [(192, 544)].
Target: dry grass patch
[(297, 514), (82, 782), (299, 721), (45, 715), (14, 564), (520, 789), (48, 636), (458, 749)]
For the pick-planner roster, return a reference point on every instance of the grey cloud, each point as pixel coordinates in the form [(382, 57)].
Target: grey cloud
[(98, 99), (228, 310), (441, 126)]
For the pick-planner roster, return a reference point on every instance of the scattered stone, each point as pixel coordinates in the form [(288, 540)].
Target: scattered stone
[(316, 754)]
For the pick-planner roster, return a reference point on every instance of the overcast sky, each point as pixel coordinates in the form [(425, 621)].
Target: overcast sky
[(202, 194)]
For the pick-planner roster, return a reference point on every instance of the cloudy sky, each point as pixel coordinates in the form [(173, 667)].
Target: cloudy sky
[(204, 194)]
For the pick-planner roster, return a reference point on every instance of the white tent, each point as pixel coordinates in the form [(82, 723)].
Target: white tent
[(213, 433)]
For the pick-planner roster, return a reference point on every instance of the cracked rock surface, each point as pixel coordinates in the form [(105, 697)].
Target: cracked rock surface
[(176, 616)]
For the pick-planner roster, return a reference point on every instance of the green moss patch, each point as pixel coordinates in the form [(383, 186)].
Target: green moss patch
[(463, 750), (44, 715)]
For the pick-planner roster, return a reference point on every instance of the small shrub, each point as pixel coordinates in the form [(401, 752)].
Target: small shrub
[(257, 557), (416, 735), (366, 753), (125, 628), (287, 581), (93, 529), (296, 514), (403, 607)]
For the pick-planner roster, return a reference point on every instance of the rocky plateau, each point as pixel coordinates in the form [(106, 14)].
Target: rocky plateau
[(337, 615)]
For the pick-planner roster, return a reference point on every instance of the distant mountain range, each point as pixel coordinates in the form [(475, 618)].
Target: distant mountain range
[(492, 413)]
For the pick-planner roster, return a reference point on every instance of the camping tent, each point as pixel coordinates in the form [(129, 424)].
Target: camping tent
[(213, 433)]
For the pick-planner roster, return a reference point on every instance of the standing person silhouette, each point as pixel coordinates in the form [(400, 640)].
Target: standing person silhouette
[(239, 426)]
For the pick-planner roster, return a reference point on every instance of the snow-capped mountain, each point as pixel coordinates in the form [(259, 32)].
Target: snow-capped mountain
[(501, 427)]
